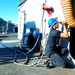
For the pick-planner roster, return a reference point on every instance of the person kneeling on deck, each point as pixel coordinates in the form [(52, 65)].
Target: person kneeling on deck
[(28, 40), (52, 49)]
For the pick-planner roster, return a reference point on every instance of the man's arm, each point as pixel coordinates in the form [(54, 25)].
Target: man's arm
[(64, 34)]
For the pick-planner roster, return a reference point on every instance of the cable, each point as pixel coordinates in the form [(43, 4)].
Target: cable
[(17, 51), (31, 51), (43, 51), (25, 54), (42, 36), (38, 39), (35, 64)]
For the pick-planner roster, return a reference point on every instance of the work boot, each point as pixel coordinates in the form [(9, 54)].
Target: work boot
[(48, 64)]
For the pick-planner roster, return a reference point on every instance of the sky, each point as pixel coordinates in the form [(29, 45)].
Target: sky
[(9, 10)]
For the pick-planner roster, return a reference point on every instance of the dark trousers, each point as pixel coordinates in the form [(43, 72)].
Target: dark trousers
[(57, 58)]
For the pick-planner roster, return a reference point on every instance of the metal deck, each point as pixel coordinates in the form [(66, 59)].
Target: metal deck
[(7, 66)]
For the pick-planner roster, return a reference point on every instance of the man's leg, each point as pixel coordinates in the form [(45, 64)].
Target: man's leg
[(64, 54), (57, 60)]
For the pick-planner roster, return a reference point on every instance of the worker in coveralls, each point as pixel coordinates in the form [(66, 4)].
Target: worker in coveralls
[(52, 49), (29, 39)]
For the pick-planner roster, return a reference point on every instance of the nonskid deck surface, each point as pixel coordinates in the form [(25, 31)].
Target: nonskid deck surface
[(7, 66)]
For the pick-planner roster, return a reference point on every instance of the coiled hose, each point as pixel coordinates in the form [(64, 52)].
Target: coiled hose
[(25, 54), (67, 11)]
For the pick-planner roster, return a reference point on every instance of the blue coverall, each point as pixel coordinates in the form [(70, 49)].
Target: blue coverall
[(27, 41), (53, 51)]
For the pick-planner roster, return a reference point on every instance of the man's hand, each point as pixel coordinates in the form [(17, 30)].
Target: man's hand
[(63, 23)]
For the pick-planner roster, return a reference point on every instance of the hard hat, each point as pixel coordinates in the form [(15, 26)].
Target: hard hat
[(27, 31), (35, 33), (52, 21)]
